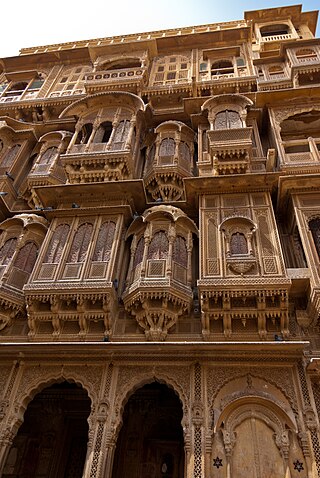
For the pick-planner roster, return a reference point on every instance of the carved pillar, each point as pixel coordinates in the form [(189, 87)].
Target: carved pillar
[(189, 259), (176, 149), (197, 424), (171, 237), (147, 240), (10, 424), (229, 439), (313, 149), (95, 127), (309, 421), (74, 137), (113, 132), (130, 134)]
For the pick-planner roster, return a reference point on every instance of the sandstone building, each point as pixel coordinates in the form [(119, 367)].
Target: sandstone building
[(160, 253)]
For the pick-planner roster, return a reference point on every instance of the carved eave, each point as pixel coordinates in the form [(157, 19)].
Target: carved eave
[(99, 53), (297, 183), (16, 129), (128, 195), (107, 99), (26, 221)]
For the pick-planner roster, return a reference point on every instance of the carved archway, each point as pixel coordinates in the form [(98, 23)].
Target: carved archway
[(150, 441)]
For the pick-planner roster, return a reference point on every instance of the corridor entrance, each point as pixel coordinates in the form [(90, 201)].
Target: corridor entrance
[(52, 440), (150, 443)]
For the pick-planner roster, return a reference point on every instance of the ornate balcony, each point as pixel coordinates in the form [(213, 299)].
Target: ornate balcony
[(128, 78)]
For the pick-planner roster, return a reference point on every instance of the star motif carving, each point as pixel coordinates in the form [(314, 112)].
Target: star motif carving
[(217, 462), (298, 465)]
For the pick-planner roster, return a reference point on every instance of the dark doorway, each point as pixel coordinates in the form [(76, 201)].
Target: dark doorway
[(52, 441), (150, 443)]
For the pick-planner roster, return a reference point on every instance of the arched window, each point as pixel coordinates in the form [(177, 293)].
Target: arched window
[(167, 148), (84, 134), (314, 226), (10, 156), (80, 243), (57, 243), (7, 251), (179, 253), (104, 242), (274, 30), (223, 67), (26, 257), (238, 244), (227, 120), (103, 132), (159, 246), (121, 135), (139, 253), (47, 156)]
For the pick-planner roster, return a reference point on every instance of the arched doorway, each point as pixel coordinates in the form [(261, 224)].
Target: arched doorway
[(52, 440), (150, 442)]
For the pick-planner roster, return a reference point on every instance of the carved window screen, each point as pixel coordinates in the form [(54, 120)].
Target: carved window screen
[(71, 82), (57, 243), (7, 251), (314, 226), (48, 155), (104, 242), (227, 120), (103, 132), (121, 135), (159, 246), (139, 253), (10, 156), (166, 150), (238, 244), (80, 243), (185, 151), (26, 257), (85, 133), (179, 253)]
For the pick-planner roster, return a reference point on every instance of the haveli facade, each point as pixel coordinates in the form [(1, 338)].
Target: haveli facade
[(160, 253)]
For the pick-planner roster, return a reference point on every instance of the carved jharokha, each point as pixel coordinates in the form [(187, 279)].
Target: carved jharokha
[(159, 281), (160, 253), (169, 160)]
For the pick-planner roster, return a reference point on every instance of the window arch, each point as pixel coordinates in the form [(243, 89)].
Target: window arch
[(7, 251), (84, 133), (26, 257), (57, 243), (227, 120), (104, 242), (314, 226), (103, 132), (222, 67), (48, 155), (167, 148), (139, 253), (238, 244), (80, 243), (274, 30), (179, 253), (159, 246)]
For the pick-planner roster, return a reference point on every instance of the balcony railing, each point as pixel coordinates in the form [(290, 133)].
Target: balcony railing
[(281, 37), (125, 75)]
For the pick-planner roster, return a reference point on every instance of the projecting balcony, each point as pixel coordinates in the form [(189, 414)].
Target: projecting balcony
[(230, 152), (131, 78), (277, 38), (299, 153)]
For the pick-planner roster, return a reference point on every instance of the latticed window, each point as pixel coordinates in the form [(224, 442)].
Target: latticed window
[(167, 147), (71, 82), (7, 251), (80, 243), (139, 253), (171, 70), (103, 132), (85, 133), (104, 242), (227, 120), (121, 135), (57, 243), (48, 155), (10, 156), (238, 244), (26, 257), (179, 253), (159, 246), (314, 226)]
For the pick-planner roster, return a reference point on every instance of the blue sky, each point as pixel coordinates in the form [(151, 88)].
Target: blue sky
[(39, 24)]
